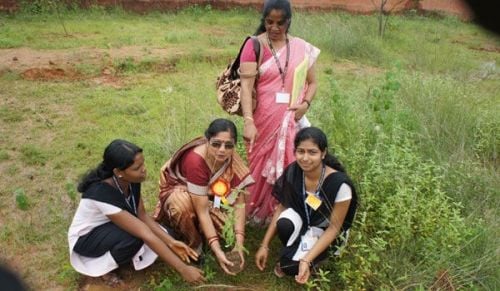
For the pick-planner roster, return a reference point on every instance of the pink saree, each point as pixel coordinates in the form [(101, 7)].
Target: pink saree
[(273, 148)]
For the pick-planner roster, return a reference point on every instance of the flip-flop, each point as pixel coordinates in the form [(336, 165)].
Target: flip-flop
[(277, 271)]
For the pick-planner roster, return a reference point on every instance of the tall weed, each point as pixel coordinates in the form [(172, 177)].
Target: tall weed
[(338, 35), (410, 225), (454, 124), (404, 218)]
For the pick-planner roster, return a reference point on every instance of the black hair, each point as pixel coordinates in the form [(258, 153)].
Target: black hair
[(119, 154), (283, 5), (221, 125), (318, 137)]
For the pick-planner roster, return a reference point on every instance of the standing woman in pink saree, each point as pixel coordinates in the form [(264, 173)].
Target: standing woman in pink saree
[(270, 126)]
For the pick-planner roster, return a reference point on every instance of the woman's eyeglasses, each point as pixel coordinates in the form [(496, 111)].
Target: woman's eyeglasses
[(217, 144)]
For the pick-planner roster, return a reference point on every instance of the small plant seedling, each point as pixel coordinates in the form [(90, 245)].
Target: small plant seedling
[(21, 199)]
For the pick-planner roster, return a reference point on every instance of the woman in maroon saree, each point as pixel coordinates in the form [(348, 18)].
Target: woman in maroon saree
[(190, 198)]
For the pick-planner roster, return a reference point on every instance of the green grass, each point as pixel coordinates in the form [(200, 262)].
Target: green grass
[(414, 117)]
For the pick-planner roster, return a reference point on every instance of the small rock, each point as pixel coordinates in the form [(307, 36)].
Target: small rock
[(15, 59), (51, 63)]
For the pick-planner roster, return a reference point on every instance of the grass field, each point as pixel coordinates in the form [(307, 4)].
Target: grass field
[(413, 116)]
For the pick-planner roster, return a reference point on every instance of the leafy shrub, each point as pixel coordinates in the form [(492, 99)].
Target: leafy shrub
[(407, 227), (47, 6)]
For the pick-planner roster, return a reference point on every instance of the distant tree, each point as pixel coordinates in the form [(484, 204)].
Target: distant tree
[(384, 10), (57, 5)]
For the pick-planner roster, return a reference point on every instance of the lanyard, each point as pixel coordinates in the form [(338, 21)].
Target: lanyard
[(131, 195), (320, 182), (276, 59)]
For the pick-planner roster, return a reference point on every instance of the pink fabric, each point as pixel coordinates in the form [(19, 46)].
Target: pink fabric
[(248, 54), (273, 149)]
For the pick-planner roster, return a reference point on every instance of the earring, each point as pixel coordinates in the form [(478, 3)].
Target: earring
[(120, 176)]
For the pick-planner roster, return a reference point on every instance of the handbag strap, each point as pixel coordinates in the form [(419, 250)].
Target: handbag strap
[(256, 48)]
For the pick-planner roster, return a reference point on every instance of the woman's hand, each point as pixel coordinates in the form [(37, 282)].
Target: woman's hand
[(224, 262), (192, 275), (304, 272), (300, 110), (250, 133), (240, 250), (261, 257), (183, 251)]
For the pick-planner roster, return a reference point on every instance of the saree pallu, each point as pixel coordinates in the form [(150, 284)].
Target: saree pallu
[(276, 126), (175, 208)]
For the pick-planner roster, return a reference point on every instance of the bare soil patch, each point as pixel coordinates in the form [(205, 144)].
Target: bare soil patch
[(20, 59), (47, 74), (486, 47), (63, 65), (132, 280)]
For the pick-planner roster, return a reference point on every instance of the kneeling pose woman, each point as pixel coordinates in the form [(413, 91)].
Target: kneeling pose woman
[(317, 205), (191, 200), (111, 228)]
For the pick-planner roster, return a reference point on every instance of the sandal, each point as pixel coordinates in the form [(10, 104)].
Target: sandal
[(112, 279), (277, 271)]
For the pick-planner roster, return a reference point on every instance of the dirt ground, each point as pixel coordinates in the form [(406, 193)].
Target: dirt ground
[(53, 65)]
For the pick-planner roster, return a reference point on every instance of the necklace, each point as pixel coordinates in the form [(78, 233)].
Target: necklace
[(276, 59), (307, 208), (130, 200)]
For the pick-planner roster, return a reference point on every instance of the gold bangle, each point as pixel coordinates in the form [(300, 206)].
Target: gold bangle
[(248, 117), (264, 247)]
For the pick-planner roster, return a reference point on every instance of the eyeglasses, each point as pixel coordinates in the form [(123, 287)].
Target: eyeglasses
[(217, 144)]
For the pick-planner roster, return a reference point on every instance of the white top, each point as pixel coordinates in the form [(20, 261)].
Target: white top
[(99, 201), (344, 193)]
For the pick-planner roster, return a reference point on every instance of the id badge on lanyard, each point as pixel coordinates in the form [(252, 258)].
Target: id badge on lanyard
[(307, 241), (282, 97), (313, 201)]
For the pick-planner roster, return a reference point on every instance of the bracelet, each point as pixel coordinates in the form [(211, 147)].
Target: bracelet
[(212, 241), (248, 117), (308, 103), (212, 237), (242, 233), (309, 263), (264, 247)]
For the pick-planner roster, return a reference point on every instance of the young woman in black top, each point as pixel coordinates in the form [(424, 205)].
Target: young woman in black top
[(317, 206)]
